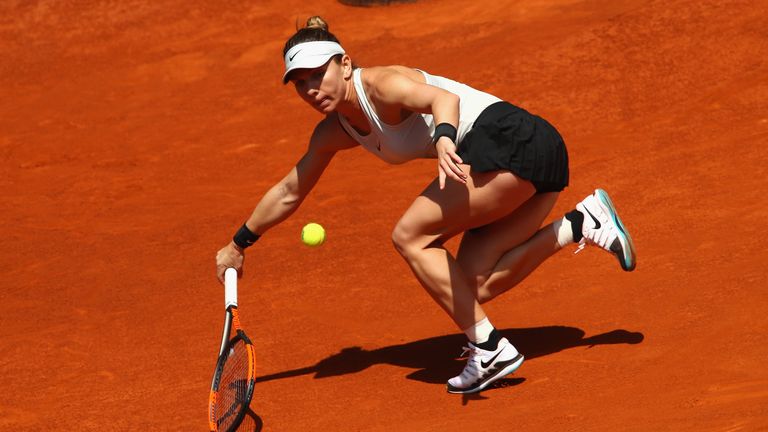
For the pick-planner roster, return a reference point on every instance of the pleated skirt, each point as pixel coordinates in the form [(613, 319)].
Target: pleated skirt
[(506, 137)]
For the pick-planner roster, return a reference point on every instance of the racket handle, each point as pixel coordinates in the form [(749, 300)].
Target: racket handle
[(230, 288)]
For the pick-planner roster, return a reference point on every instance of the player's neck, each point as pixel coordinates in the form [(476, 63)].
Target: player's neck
[(349, 107)]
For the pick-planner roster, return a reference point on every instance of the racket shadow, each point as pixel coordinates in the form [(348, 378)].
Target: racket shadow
[(428, 356), (251, 422)]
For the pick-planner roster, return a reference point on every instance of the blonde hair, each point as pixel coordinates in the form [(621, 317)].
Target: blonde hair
[(316, 29), (316, 22)]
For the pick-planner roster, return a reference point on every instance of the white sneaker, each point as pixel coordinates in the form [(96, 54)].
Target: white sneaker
[(484, 367), (602, 227)]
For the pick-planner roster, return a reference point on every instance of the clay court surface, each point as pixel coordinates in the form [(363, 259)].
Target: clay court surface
[(135, 137)]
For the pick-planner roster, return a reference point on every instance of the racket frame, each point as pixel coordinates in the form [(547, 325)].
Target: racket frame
[(231, 315)]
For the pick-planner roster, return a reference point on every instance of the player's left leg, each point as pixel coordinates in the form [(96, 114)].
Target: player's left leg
[(436, 216)]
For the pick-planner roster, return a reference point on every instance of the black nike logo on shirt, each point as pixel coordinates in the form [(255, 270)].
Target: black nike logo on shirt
[(294, 55), (597, 222), (485, 365)]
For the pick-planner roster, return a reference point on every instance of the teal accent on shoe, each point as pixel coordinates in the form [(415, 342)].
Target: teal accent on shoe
[(628, 261)]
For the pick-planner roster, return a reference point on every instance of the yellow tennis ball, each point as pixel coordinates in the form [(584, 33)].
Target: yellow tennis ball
[(313, 234)]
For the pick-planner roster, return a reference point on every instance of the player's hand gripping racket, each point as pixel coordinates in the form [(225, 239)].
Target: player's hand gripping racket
[(233, 380)]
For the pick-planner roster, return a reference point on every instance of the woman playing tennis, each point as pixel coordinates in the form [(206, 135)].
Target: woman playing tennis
[(499, 172)]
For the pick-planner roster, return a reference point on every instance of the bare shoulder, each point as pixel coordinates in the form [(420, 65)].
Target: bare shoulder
[(372, 74), (378, 78), (329, 136)]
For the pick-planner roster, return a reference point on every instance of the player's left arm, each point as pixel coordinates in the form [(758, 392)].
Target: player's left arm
[(391, 87)]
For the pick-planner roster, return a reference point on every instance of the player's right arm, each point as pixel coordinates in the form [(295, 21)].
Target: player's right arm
[(282, 199)]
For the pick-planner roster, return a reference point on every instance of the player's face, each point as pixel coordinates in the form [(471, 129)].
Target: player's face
[(323, 87)]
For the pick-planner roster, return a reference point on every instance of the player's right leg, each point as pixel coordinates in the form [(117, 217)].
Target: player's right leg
[(501, 254)]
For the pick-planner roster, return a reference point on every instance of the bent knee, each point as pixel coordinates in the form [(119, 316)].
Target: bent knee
[(483, 295), (479, 283), (402, 239), (409, 239)]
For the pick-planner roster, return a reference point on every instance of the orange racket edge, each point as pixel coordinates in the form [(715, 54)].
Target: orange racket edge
[(234, 377)]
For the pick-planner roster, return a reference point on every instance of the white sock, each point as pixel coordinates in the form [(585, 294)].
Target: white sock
[(563, 231), (480, 332)]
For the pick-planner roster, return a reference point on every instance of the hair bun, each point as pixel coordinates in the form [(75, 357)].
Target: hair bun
[(317, 22)]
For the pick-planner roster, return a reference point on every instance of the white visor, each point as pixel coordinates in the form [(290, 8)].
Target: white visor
[(309, 55)]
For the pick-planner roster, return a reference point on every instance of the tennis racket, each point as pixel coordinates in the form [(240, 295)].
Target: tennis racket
[(233, 379)]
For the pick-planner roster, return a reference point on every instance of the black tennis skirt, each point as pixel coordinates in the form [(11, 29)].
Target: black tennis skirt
[(505, 137)]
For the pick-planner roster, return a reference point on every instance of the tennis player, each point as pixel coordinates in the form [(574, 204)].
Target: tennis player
[(499, 172)]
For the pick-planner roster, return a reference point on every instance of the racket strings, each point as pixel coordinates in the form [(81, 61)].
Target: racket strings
[(233, 385)]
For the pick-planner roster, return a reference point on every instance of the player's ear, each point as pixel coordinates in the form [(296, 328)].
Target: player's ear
[(346, 66)]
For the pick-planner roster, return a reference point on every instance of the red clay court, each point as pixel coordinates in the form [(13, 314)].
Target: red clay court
[(136, 136)]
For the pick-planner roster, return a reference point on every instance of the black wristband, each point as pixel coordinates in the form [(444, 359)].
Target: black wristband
[(245, 237), (444, 129)]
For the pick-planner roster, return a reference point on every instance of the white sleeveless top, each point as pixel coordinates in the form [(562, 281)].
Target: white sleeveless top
[(412, 138)]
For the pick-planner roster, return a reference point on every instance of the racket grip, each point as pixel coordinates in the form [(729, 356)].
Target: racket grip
[(230, 288)]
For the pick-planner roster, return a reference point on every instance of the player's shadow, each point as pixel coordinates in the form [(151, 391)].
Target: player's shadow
[(428, 356)]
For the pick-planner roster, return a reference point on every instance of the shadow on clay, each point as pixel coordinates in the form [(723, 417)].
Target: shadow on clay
[(251, 422), (429, 357)]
